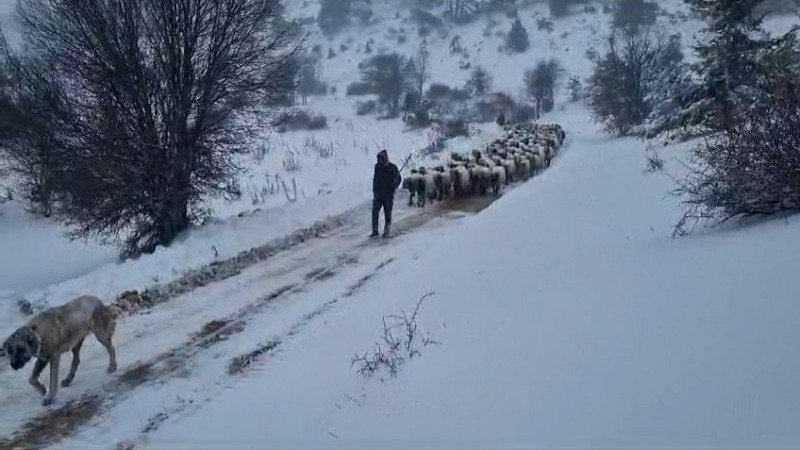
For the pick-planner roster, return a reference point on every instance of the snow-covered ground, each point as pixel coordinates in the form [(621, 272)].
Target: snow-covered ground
[(565, 315)]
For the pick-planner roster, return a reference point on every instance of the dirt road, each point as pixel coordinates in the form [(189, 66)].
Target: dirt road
[(192, 327)]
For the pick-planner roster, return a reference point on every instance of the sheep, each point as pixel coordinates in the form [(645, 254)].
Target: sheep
[(498, 178), (456, 157), (481, 178), (510, 168), (415, 185), (443, 182), (429, 190), (459, 176), (524, 168)]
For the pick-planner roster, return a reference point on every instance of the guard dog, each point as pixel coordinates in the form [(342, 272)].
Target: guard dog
[(55, 331)]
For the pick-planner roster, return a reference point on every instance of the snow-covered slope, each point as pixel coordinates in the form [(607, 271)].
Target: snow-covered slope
[(566, 316)]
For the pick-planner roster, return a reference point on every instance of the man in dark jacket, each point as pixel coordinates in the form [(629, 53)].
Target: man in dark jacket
[(385, 182)]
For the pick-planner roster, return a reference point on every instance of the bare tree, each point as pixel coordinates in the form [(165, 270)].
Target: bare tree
[(462, 10), (624, 79), (420, 70), (540, 82), (32, 106), (157, 98), (388, 76)]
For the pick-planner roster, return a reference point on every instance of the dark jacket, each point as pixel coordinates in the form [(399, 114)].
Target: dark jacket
[(386, 180)]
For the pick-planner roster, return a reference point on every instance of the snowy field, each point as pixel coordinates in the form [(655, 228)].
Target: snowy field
[(563, 314), (566, 316)]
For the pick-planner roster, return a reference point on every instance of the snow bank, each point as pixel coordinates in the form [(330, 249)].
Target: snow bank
[(34, 251), (568, 317)]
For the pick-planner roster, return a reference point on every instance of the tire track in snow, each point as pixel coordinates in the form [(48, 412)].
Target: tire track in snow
[(52, 426)]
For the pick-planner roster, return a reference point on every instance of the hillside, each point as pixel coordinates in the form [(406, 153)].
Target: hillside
[(560, 313), (565, 317)]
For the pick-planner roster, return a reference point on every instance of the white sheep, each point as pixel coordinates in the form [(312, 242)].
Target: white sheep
[(511, 169), (459, 176), (498, 178), (443, 182)]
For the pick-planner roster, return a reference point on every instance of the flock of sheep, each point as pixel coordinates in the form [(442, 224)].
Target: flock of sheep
[(524, 151)]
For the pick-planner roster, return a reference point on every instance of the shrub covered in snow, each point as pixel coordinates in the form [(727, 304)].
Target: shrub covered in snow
[(387, 75), (298, 119), (334, 15), (367, 107), (479, 82), (358, 88)]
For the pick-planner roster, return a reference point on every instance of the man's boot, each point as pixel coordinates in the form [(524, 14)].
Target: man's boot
[(374, 233), (386, 231)]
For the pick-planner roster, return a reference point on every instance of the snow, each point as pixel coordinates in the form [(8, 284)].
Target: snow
[(568, 317), (566, 313), (35, 250)]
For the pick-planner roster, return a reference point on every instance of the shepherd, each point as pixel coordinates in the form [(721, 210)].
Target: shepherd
[(385, 182)]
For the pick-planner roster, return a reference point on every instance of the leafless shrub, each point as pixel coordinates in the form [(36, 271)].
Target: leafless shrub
[(750, 169), (270, 188), (262, 150), (323, 150), (291, 163), (298, 120), (290, 198), (654, 162), (401, 341)]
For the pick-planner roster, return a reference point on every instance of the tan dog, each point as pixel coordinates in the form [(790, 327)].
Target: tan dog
[(55, 331)]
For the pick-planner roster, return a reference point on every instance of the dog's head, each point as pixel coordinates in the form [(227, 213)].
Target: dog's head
[(20, 347)]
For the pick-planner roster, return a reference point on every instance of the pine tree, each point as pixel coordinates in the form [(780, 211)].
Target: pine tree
[(517, 39), (727, 63)]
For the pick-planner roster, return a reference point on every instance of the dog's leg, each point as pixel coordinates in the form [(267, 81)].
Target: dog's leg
[(38, 367), (103, 330), (54, 363), (76, 359), (105, 340)]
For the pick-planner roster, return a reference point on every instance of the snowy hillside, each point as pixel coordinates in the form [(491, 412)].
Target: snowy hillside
[(559, 314), (564, 316)]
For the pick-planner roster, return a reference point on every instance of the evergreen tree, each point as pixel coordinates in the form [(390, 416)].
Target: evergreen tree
[(517, 39), (727, 63)]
